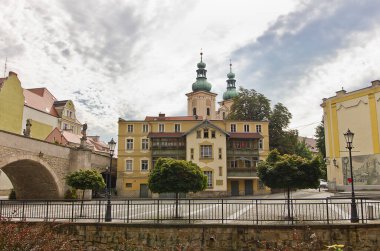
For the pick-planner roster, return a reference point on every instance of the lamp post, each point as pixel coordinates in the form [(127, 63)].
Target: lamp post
[(349, 136), (108, 217)]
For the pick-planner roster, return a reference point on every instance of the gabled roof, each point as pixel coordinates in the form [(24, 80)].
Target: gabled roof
[(208, 124), (60, 103), (40, 99)]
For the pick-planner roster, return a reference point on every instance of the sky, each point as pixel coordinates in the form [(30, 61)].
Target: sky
[(129, 59)]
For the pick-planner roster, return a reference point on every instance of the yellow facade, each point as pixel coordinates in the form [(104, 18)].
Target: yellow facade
[(11, 104), (40, 130), (358, 111), (131, 177)]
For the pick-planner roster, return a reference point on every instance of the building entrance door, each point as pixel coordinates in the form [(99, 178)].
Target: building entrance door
[(234, 188), (144, 191), (248, 187)]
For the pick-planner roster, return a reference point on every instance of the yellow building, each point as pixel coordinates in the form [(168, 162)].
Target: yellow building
[(358, 111), (38, 105), (11, 104), (226, 151)]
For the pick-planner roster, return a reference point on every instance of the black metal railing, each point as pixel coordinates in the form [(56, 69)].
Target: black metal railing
[(196, 211)]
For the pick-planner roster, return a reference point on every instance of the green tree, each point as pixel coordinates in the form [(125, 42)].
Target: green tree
[(85, 179), (176, 176), (320, 138), (289, 172), (250, 105), (303, 151)]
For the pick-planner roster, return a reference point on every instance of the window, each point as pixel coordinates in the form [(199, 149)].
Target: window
[(246, 128), (64, 126), (206, 152), (260, 144), (194, 111), (258, 128), (213, 134), (233, 163), (129, 185), (145, 128), (233, 127), (198, 134), (209, 178), (128, 165), (144, 165), (177, 127), (192, 153), (220, 171), (130, 128), (205, 133), (220, 153), (129, 144), (144, 144), (161, 127), (208, 111), (247, 163)]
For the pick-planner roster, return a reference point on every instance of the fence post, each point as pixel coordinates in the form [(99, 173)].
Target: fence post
[(127, 211), (222, 212), (327, 210), (72, 211), (23, 208), (158, 211), (189, 211), (361, 205), (99, 209), (257, 213), (1, 208)]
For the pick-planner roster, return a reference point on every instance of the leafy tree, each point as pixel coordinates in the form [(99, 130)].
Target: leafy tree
[(303, 151), (320, 137), (289, 172), (250, 105), (85, 179), (176, 176)]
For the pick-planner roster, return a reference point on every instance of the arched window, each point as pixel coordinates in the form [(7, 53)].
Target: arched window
[(208, 111), (194, 111)]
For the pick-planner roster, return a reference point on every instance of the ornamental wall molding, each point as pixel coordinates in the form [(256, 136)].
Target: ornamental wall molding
[(351, 106)]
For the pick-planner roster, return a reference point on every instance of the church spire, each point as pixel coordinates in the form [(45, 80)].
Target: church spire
[(231, 89), (201, 83)]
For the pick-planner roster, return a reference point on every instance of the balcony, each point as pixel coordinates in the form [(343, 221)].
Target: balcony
[(243, 152), (168, 152), (241, 172)]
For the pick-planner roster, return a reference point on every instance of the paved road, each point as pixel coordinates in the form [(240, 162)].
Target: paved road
[(308, 206)]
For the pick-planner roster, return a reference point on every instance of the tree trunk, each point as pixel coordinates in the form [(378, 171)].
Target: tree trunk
[(81, 205), (176, 204)]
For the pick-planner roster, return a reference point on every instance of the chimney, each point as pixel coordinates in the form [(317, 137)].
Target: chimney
[(341, 92), (161, 115)]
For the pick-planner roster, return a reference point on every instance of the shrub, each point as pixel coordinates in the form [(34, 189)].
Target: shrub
[(71, 194)]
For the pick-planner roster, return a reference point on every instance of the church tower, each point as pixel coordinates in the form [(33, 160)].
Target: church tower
[(228, 95), (201, 102)]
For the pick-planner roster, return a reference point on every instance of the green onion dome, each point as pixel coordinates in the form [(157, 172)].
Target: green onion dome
[(201, 85), (229, 94)]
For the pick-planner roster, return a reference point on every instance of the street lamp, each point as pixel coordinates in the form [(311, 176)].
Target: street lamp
[(108, 217), (349, 136)]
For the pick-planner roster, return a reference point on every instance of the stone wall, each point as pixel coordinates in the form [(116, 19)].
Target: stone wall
[(113, 236)]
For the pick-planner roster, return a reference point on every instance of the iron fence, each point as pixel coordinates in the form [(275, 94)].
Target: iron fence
[(195, 211)]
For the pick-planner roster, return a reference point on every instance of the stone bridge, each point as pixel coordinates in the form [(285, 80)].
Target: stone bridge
[(37, 168)]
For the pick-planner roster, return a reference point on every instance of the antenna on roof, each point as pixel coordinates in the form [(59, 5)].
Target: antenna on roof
[(5, 66)]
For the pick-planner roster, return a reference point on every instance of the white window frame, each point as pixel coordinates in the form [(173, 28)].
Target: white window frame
[(128, 165), (177, 127), (258, 128), (206, 152), (129, 144), (144, 144), (161, 127), (246, 128), (233, 127), (129, 128), (144, 162), (145, 128), (209, 178)]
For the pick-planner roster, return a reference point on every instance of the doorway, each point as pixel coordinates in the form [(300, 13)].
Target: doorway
[(234, 188)]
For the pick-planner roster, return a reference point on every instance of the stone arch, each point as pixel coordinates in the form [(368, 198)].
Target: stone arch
[(31, 177)]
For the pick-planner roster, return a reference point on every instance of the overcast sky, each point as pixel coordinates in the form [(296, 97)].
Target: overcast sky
[(130, 59)]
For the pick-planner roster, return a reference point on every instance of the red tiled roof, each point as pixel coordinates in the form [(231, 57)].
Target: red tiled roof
[(151, 118), (165, 135), (245, 135), (40, 99)]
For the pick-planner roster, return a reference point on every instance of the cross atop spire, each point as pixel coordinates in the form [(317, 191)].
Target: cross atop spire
[(230, 65), (201, 55)]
